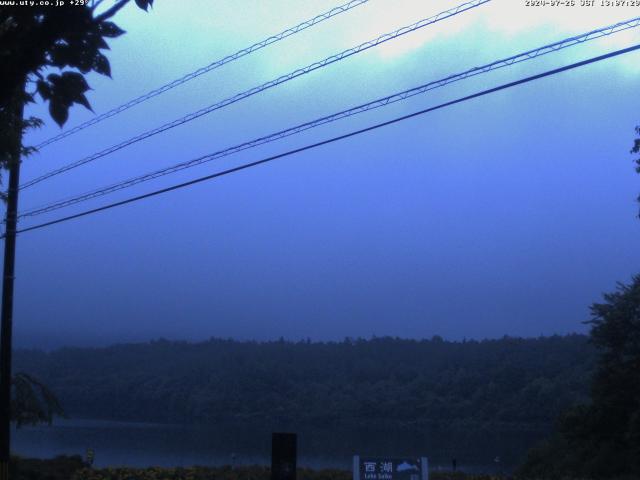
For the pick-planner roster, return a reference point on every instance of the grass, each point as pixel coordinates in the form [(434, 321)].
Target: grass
[(74, 468)]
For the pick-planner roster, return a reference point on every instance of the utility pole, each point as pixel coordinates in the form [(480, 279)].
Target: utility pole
[(6, 321)]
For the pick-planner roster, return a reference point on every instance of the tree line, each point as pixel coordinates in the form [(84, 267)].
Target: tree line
[(525, 383)]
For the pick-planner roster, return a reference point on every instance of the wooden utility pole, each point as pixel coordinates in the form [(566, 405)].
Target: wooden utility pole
[(6, 325)]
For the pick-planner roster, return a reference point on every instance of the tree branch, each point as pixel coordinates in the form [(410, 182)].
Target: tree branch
[(112, 11)]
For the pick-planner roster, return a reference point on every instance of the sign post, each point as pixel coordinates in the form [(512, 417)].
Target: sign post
[(283, 456)]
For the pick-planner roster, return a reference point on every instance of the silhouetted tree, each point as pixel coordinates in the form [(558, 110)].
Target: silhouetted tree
[(32, 401), (45, 51), (636, 150), (616, 387), (602, 439), (65, 43)]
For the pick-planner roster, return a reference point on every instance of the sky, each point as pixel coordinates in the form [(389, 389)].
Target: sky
[(505, 215)]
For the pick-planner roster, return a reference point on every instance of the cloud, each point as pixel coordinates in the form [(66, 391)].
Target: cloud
[(510, 22), (507, 20), (513, 17)]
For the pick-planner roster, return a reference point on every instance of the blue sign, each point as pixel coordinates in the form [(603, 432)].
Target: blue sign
[(370, 468)]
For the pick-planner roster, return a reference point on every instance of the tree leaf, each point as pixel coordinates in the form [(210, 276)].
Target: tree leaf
[(59, 112), (82, 100), (101, 65), (61, 55), (53, 78), (144, 4), (101, 43), (84, 61), (76, 81), (65, 90), (110, 30)]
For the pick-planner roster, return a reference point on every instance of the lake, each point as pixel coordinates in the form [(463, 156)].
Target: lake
[(144, 444)]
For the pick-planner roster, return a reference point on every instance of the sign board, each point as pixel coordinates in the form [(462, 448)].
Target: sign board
[(377, 468)]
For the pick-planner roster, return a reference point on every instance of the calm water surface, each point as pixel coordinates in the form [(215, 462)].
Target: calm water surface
[(143, 444)]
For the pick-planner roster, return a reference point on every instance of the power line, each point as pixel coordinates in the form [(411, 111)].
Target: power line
[(528, 55), (337, 138), (253, 91), (212, 66)]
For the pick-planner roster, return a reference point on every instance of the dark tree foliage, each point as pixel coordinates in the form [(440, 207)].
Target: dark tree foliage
[(46, 51), (616, 384), (636, 150), (602, 439), (32, 402), (520, 384)]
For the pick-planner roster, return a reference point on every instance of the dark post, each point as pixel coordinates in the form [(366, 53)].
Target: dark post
[(283, 456), (6, 325)]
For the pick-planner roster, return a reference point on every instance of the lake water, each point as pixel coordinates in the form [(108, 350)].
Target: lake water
[(141, 444)]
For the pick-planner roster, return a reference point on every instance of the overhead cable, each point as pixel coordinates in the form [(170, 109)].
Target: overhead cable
[(334, 139), (521, 57), (208, 68), (265, 86)]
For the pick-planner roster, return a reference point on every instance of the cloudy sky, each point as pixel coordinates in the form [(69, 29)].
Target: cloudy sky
[(508, 214)]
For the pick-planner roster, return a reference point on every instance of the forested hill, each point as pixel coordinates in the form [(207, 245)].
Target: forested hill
[(518, 382)]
